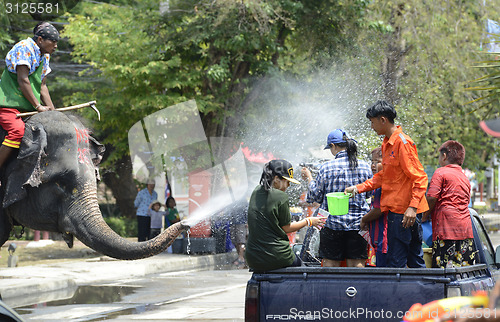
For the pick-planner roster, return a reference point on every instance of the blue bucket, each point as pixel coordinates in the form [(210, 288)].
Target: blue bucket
[(427, 233)]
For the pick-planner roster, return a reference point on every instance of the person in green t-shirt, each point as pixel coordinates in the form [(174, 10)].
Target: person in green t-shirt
[(172, 214), (269, 220), (23, 85)]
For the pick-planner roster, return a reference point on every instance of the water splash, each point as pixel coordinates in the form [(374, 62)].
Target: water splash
[(188, 246), (214, 206), (291, 117)]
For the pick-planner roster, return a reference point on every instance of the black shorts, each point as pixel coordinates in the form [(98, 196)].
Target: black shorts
[(338, 245)]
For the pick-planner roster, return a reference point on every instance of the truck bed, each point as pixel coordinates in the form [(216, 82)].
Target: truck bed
[(359, 294), (364, 294)]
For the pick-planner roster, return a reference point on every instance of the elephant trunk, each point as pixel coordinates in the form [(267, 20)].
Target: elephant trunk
[(88, 225)]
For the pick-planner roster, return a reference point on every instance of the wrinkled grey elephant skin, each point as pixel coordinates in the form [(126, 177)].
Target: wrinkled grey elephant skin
[(51, 186)]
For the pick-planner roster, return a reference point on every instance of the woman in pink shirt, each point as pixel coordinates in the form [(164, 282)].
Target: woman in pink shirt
[(448, 197)]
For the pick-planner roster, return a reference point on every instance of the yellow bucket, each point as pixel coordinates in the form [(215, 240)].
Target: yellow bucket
[(428, 257)]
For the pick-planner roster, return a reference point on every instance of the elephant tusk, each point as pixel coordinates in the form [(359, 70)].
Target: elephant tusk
[(92, 106)]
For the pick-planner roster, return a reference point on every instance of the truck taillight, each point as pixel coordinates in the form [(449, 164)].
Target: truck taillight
[(453, 291), (252, 303)]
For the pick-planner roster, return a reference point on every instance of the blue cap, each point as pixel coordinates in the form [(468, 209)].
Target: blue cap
[(335, 137)]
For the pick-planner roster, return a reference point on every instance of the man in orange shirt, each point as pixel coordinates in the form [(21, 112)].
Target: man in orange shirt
[(403, 183)]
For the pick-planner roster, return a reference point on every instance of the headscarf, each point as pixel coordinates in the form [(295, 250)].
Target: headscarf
[(46, 31)]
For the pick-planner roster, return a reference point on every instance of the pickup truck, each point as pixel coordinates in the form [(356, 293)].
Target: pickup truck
[(312, 292)]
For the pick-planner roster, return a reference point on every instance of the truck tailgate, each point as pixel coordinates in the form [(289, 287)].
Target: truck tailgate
[(373, 294)]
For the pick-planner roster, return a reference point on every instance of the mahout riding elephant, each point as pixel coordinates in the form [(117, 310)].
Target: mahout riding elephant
[(52, 186)]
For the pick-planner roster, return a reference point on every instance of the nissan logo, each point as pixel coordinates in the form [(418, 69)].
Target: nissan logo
[(351, 291)]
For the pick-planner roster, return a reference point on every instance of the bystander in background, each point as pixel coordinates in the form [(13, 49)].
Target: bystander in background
[(142, 201), (156, 218), (172, 214)]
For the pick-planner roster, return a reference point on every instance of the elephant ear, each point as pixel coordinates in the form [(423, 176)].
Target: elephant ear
[(96, 154), (26, 170), (96, 150)]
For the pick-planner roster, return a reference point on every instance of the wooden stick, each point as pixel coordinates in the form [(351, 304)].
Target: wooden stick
[(62, 109)]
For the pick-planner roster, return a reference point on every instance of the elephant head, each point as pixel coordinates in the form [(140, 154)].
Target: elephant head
[(52, 186)]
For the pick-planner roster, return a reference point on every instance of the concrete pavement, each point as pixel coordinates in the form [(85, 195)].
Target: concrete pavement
[(20, 283)]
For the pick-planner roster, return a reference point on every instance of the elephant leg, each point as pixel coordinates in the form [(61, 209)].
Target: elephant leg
[(5, 227)]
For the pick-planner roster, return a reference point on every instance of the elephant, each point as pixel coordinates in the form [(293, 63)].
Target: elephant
[(51, 185)]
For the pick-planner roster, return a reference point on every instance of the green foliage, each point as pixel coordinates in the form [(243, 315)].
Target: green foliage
[(489, 84), (4, 40), (125, 227), (441, 41), (131, 77), (447, 45), (22, 233), (11, 26), (143, 60), (207, 51)]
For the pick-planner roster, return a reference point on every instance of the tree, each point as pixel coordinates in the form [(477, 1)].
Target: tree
[(208, 51), (489, 84), (435, 44)]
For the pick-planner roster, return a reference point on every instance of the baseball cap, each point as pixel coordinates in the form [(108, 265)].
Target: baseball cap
[(156, 202), (335, 137), (283, 169)]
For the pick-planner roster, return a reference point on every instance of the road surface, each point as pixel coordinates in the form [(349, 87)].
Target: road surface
[(185, 295)]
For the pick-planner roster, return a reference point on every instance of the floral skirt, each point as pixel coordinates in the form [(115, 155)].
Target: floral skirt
[(453, 253)]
